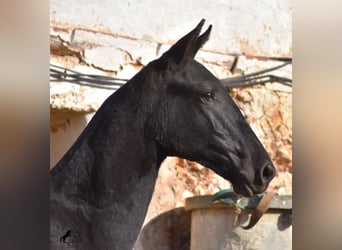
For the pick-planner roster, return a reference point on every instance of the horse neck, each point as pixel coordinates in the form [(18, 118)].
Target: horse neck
[(108, 175), (113, 159)]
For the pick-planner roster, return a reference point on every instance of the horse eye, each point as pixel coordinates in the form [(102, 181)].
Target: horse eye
[(207, 96)]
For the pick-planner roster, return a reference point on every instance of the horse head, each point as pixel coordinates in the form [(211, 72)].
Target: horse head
[(197, 119)]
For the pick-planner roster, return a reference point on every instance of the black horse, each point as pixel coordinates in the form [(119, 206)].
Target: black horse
[(101, 188)]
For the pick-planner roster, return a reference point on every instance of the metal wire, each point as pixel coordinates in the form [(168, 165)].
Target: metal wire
[(258, 77), (61, 74)]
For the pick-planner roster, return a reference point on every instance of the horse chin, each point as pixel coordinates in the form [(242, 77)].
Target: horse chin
[(243, 190)]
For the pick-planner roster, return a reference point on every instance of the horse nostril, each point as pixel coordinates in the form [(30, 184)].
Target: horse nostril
[(268, 172)]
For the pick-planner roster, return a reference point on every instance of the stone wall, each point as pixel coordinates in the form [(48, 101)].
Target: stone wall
[(254, 27)]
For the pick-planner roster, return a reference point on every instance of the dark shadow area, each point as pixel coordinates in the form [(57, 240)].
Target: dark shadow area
[(284, 220), (168, 231)]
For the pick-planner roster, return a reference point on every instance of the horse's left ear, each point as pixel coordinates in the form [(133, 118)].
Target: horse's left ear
[(187, 46)]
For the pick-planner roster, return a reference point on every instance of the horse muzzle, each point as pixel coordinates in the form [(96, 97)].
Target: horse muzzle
[(249, 185)]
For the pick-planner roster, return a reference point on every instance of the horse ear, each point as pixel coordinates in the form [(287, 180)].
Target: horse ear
[(201, 41), (187, 46)]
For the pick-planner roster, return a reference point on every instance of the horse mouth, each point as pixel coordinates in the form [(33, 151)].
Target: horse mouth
[(243, 190)]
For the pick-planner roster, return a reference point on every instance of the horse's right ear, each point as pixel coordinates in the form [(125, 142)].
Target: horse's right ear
[(186, 47)]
